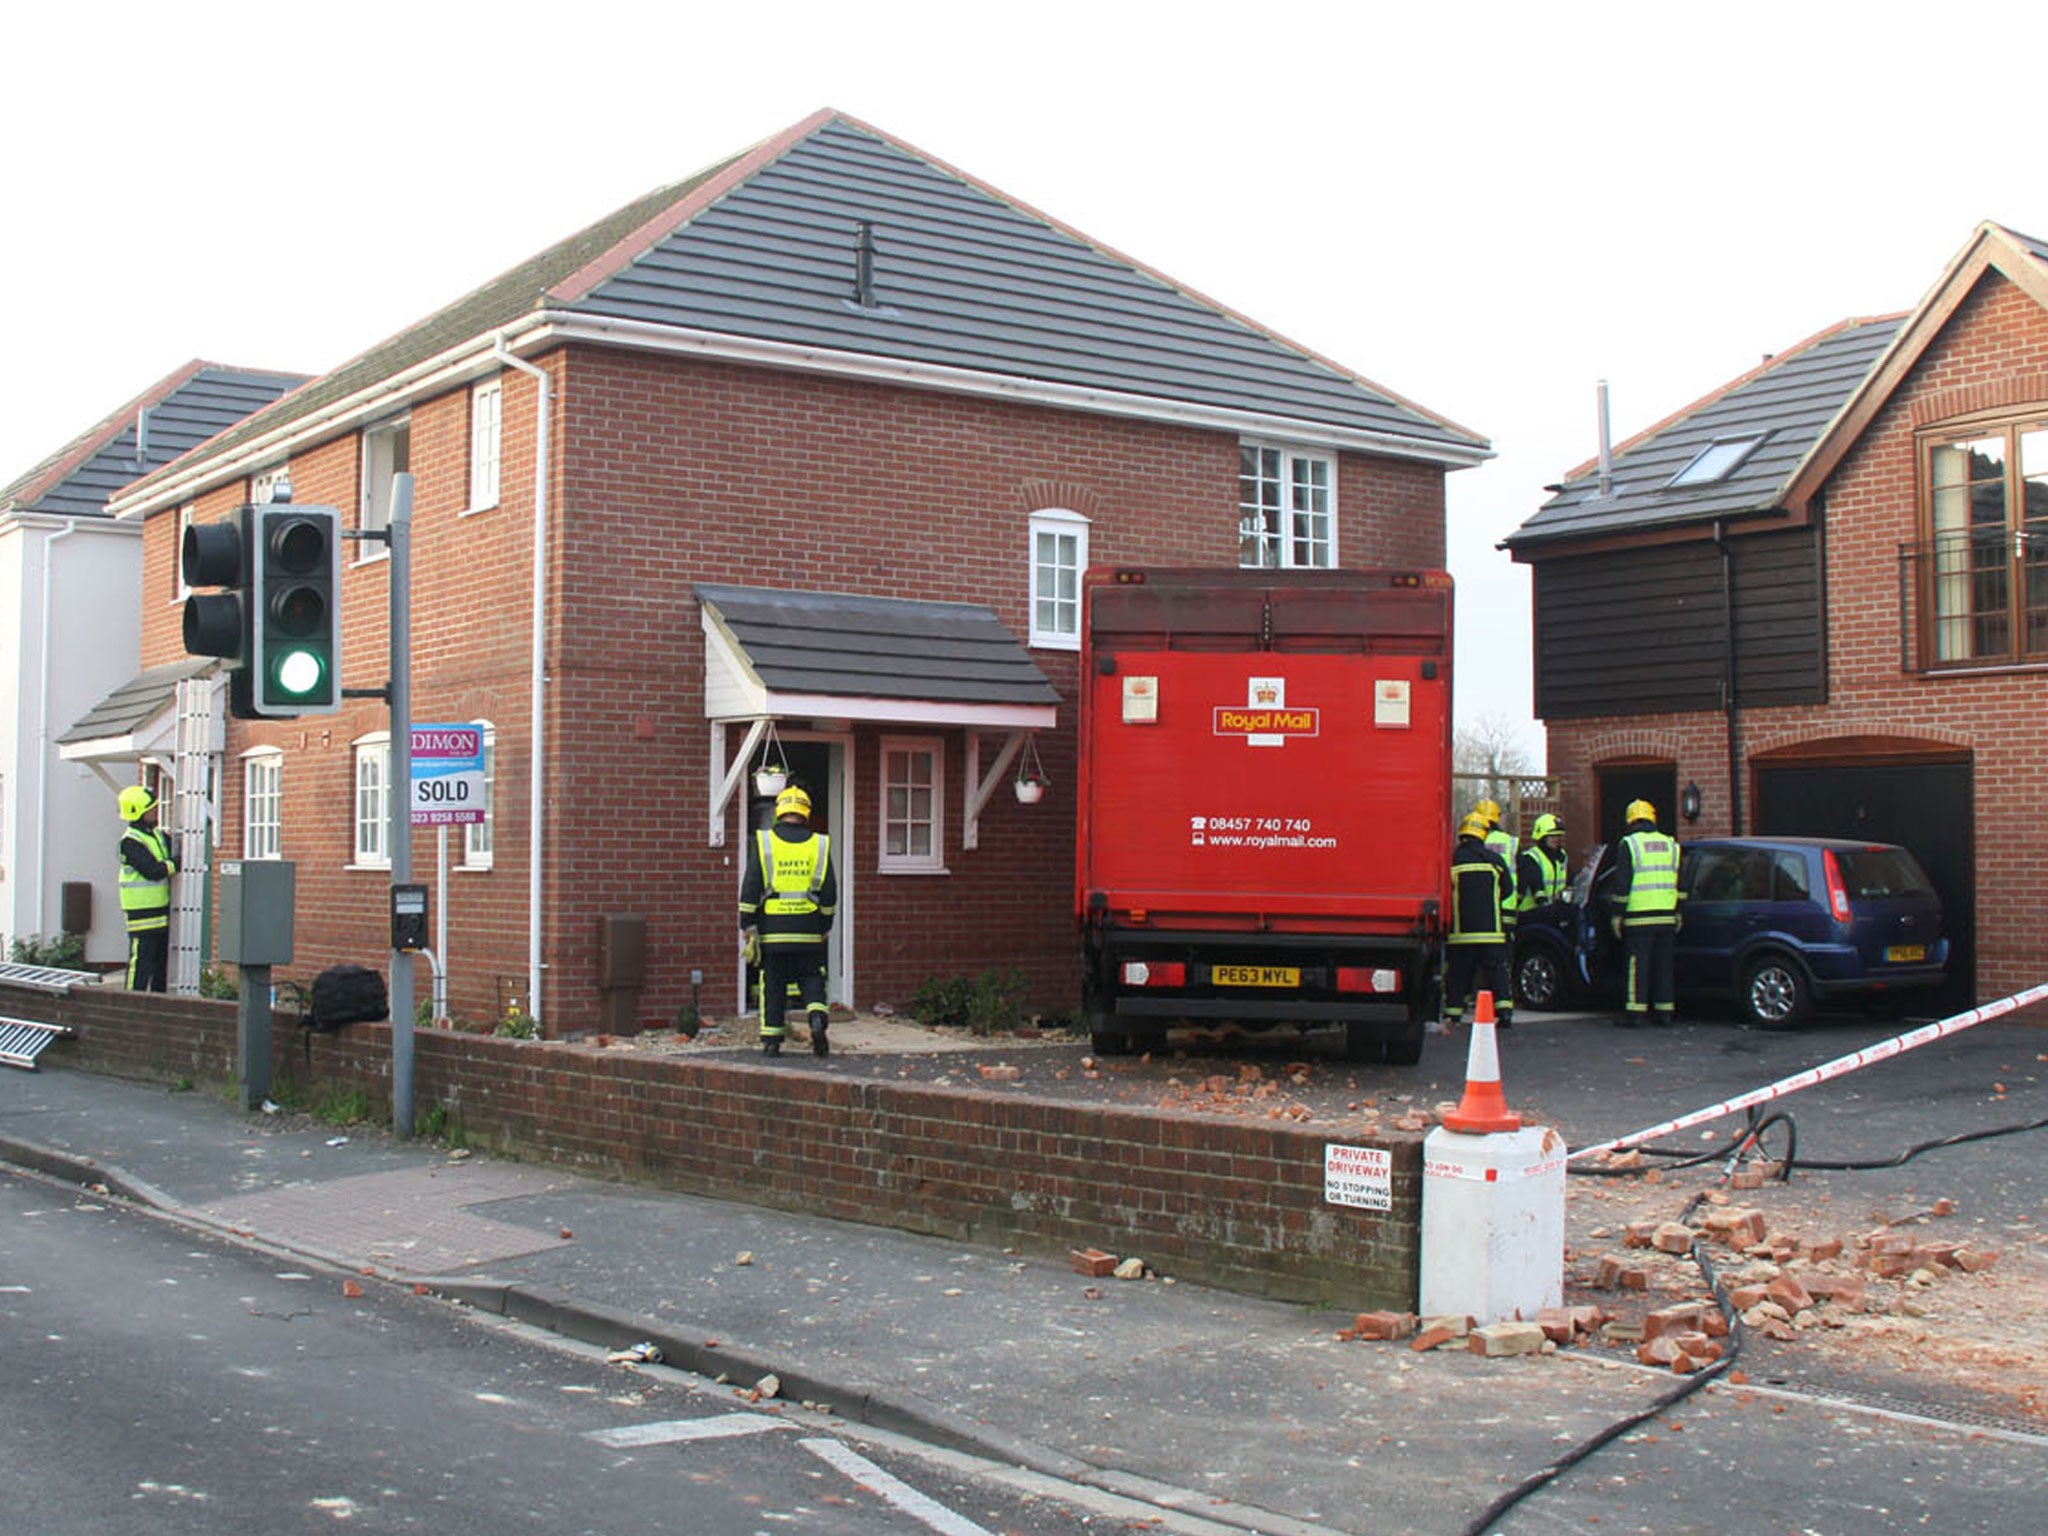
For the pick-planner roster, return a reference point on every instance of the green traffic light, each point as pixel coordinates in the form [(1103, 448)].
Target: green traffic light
[(299, 673)]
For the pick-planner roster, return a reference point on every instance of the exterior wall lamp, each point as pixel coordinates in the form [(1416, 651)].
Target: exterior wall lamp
[(1689, 802)]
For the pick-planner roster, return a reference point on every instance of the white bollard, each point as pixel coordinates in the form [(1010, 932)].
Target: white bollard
[(1492, 1223)]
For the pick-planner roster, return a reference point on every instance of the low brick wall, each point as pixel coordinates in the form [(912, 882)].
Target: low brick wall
[(1231, 1203)]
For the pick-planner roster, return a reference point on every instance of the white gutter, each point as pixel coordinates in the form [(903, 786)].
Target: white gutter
[(465, 362), (538, 680), (43, 731)]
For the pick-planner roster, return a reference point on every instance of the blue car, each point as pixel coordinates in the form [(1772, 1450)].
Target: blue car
[(1773, 925)]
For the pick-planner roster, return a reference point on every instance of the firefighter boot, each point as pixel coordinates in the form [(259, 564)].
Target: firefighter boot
[(771, 1045), (820, 1022)]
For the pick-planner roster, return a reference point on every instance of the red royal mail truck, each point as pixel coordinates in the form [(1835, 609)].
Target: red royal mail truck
[(1264, 802)]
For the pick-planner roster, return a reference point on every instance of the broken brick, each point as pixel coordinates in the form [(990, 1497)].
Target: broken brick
[(1499, 1339), (1974, 1261), (1092, 1262), (1789, 1294), (1640, 1234), (1557, 1324), (1658, 1351), (1845, 1290), (1431, 1337), (1385, 1325), (1677, 1319), (1672, 1237)]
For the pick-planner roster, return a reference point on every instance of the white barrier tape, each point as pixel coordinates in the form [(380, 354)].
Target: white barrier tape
[(1883, 1050)]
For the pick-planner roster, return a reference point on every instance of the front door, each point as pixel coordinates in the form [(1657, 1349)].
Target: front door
[(814, 767)]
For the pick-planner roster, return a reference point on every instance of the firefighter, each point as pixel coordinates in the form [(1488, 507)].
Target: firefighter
[(1477, 950), (1543, 872), (787, 897), (146, 870), (1502, 842), (1643, 897)]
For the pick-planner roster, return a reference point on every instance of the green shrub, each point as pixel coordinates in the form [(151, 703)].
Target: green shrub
[(985, 1005), (217, 983), (65, 952), (518, 1024)]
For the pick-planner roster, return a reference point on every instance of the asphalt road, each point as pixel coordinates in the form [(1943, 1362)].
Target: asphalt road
[(156, 1381)]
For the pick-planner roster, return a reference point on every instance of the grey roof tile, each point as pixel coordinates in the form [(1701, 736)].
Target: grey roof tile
[(760, 248), (877, 647), (183, 410), (138, 701), (1789, 400)]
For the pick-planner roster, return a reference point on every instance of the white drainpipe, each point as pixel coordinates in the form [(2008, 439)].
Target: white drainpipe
[(539, 674), (43, 733)]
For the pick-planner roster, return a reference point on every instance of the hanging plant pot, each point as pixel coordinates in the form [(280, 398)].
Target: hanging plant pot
[(770, 781), (1029, 791)]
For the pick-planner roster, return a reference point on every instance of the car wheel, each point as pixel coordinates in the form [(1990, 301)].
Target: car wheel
[(1405, 1048), (1109, 1042), (1539, 979), (1774, 993)]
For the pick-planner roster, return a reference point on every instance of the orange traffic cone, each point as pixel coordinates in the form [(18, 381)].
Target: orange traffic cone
[(1483, 1108)]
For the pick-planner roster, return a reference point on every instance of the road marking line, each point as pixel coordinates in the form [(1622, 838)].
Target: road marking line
[(673, 1431), (893, 1489)]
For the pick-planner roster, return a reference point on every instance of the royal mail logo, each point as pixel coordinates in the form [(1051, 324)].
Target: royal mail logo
[(1264, 718)]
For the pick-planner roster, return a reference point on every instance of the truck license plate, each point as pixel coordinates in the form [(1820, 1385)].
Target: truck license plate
[(1901, 952), (1256, 975)]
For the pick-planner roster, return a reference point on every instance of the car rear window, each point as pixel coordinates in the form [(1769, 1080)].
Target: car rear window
[(1876, 873)]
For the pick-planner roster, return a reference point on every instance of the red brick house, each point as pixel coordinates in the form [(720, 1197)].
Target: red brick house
[(1819, 599), (806, 450)]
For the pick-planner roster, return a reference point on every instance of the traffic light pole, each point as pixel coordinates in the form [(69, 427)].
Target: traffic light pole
[(400, 796)]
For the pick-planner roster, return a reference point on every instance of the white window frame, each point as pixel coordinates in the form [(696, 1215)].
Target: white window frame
[(486, 443), (932, 861), (380, 461), (1056, 583), (1294, 469), (370, 802), (477, 835), (263, 834)]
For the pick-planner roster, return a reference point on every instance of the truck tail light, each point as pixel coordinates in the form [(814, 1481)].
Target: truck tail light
[(1838, 893), (1365, 978), (1155, 973)]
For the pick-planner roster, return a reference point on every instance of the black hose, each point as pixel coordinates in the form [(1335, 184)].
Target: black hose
[(1685, 1387)]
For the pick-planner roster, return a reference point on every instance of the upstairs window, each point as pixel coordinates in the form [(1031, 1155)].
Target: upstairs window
[(1983, 565), (476, 835), (486, 405), (387, 451), (1286, 508), (1059, 554)]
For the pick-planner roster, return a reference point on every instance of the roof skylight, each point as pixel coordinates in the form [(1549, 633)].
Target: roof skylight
[(1717, 461)]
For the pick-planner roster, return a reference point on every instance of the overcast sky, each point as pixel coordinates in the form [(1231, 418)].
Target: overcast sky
[(1486, 208)]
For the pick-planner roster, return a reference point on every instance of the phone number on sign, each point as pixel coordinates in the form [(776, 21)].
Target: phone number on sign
[(1251, 823)]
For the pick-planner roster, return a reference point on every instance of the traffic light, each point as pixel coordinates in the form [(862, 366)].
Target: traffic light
[(217, 623), (294, 610)]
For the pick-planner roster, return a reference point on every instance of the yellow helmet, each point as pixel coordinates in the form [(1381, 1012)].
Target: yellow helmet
[(135, 802), (1488, 811), (1474, 825), (793, 801), (1640, 810), (1545, 825)]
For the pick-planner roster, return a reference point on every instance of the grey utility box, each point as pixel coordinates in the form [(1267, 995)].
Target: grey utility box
[(256, 911)]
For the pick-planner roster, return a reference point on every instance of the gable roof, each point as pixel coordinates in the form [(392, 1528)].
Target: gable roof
[(171, 417), (2021, 259), (1786, 404), (755, 258)]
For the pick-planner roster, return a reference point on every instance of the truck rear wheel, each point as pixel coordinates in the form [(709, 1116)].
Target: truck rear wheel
[(1405, 1049)]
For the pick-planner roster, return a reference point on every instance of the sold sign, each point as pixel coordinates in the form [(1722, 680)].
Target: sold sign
[(447, 775)]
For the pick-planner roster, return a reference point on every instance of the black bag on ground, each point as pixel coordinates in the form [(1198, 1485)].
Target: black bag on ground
[(346, 994)]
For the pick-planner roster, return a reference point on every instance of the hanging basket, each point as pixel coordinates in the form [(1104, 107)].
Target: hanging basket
[(1032, 781), (771, 772)]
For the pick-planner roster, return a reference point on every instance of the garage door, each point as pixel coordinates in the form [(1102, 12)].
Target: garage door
[(1924, 806)]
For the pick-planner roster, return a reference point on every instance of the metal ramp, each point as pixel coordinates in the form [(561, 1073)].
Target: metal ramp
[(45, 978), (23, 1040)]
